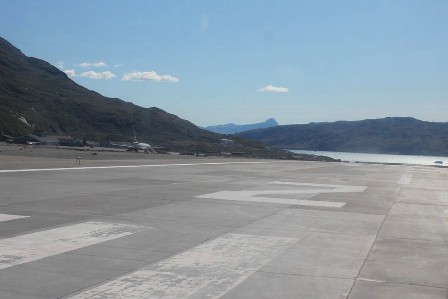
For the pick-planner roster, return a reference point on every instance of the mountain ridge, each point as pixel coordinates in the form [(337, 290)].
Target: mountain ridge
[(232, 128), (390, 135), (36, 95)]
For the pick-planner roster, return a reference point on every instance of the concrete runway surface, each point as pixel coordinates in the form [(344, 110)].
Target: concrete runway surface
[(224, 228)]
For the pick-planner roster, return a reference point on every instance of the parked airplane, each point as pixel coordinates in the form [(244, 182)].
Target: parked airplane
[(142, 146), (135, 147)]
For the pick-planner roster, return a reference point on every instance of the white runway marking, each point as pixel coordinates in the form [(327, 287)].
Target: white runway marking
[(304, 191), (127, 166), (31, 247), (327, 188), (7, 217), (255, 196), (207, 271)]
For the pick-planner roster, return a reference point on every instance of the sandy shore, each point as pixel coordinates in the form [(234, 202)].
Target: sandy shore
[(13, 156)]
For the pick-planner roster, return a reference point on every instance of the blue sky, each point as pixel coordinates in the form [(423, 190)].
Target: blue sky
[(215, 62)]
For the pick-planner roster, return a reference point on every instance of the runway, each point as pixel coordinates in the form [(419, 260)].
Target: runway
[(223, 228)]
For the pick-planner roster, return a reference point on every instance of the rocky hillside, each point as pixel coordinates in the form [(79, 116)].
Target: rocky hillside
[(36, 95)]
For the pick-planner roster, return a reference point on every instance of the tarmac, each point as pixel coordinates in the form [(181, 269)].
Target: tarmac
[(221, 228)]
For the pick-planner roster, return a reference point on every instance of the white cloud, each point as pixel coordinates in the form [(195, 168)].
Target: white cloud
[(94, 64), (273, 89), (118, 65), (60, 65), (70, 73), (98, 75), (148, 76)]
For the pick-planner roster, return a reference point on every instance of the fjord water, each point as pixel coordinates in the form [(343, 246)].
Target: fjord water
[(378, 158)]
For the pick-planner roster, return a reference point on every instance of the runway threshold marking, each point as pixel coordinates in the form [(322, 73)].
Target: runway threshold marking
[(8, 217), (126, 166), (207, 271), (34, 246), (303, 190), (326, 188), (256, 196)]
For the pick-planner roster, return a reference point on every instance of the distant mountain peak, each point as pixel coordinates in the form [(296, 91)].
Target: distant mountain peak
[(232, 128), (271, 121)]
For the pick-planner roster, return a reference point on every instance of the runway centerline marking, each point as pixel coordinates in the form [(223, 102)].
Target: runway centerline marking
[(8, 217), (303, 191), (207, 271), (34, 246), (126, 166)]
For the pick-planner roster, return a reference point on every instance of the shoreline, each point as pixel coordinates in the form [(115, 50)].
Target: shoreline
[(378, 158), (16, 156)]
